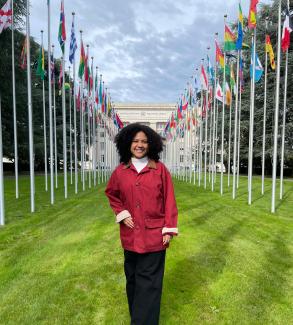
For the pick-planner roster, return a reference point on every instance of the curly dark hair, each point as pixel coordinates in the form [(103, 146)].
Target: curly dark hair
[(124, 139)]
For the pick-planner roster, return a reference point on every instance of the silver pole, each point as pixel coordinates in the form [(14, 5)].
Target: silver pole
[(45, 127), (216, 138), (70, 131), (235, 163), (54, 126), (273, 208), (251, 125), (74, 125), (264, 121), (229, 138), (2, 210), (205, 139), (64, 128), (30, 110), (200, 141), (50, 107), (214, 126), (223, 116), (95, 132), (283, 129), (239, 137), (14, 105)]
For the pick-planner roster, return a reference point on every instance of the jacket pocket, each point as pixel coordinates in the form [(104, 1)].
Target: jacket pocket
[(154, 223)]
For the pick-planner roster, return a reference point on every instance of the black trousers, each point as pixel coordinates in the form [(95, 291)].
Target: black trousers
[(144, 280)]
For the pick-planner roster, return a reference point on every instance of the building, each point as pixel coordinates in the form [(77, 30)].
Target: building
[(154, 115)]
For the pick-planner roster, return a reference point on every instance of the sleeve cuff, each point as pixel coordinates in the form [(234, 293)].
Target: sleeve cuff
[(173, 231), (122, 215)]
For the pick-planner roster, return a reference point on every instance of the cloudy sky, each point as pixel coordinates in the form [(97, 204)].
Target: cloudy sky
[(146, 50)]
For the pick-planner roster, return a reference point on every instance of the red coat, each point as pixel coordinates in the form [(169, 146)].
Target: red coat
[(148, 197)]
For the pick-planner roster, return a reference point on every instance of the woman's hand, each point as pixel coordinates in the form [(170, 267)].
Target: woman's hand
[(166, 239), (128, 222)]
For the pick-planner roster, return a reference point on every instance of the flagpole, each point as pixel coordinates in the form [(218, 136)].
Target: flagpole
[(239, 135), (70, 129), (229, 136), (223, 116), (200, 140), (30, 112), (235, 163), (14, 104), (210, 136), (283, 129), (251, 125), (214, 122), (216, 139), (205, 135), (50, 107), (284, 123), (44, 123), (264, 119), (74, 124), (89, 126), (94, 127), (275, 150), (64, 127), (54, 123), (82, 127), (2, 210)]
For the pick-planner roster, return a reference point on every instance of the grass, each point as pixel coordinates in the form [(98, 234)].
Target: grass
[(231, 264)]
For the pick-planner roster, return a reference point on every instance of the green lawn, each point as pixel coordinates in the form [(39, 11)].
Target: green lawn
[(231, 264)]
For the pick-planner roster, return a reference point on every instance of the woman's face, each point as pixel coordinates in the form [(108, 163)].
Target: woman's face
[(139, 145)]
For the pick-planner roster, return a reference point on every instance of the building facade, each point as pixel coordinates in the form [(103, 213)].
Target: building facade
[(152, 114)]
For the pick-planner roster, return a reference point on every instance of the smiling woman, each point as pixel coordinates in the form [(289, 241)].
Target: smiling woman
[(141, 194)]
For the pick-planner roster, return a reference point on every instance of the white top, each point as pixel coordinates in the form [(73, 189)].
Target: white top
[(139, 164)]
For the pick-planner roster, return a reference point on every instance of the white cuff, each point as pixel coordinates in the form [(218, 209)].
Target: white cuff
[(122, 215), (170, 230)]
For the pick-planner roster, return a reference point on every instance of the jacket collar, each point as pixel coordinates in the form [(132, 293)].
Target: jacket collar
[(151, 164)]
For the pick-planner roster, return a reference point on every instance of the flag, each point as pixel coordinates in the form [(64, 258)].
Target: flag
[(196, 85), (100, 91), (287, 29), (5, 16), (96, 90), (119, 122), (52, 69), (73, 44), (179, 111), (252, 14), (219, 93), (258, 67), (269, 50), (204, 79), (62, 31), (23, 55), (210, 70), (41, 64), (239, 40), (184, 103), (219, 55), (241, 76), (81, 61), (86, 71), (228, 95), (229, 40)]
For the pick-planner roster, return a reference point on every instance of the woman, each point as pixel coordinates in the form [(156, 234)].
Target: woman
[(140, 192)]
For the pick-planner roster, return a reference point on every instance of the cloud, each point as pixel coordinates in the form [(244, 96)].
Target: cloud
[(146, 50)]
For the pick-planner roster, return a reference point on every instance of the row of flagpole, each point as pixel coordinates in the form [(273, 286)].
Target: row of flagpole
[(176, 133), (101, 117)]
